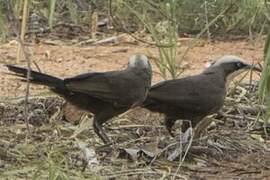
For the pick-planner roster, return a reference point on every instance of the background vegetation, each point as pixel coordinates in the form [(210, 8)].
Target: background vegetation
[(244, 17), (164, 21)]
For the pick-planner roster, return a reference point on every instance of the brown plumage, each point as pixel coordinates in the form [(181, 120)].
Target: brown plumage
[(194, 97), (105, 94)]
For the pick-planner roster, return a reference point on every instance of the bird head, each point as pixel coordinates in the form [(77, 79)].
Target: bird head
[(140, 62), (233, 65)]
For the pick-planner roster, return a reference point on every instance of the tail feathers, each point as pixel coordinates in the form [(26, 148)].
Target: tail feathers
[(37, 77)]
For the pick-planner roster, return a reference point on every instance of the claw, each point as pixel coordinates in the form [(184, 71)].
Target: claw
[(169, 122), (100, 132)]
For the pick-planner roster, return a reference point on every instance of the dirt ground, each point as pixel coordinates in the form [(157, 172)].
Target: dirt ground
[(67, 60)]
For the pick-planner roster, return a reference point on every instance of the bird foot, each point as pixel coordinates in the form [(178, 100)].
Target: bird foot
[(105, 138), (202, 126), (171, 133)]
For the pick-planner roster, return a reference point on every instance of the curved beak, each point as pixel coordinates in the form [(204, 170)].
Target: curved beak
[(253, 67)]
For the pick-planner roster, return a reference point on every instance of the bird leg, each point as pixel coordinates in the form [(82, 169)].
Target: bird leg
[(169, 122), (202, 126), (190, 123), (186, 124), (97, 124)]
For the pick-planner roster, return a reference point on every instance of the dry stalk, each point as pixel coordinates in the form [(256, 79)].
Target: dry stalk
[(182, 159), (15, 27)]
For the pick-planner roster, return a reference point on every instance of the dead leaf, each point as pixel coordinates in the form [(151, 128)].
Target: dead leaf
[(85, 124), (257, 137), (129, 153), (183, 145), (89, 155)]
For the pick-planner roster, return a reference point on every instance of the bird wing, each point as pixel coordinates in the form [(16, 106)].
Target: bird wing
[(99, 85), (190, 93)]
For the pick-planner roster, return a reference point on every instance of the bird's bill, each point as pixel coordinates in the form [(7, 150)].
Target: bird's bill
[(253, 67), (236, 73)]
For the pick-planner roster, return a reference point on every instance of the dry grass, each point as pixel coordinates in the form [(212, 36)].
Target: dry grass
[(51, 151)]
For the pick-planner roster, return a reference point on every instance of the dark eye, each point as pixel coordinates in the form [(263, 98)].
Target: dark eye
[(239, 65)]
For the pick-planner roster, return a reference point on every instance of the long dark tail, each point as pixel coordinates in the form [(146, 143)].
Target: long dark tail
[(37, 77)]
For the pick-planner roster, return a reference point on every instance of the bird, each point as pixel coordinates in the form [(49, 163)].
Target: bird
[(104, 94), (194, 97)]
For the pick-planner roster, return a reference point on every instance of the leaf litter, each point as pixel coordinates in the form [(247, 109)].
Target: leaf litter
[(142, 146)]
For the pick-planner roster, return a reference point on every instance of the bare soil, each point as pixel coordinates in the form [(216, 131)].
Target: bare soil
[(68, 60)]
